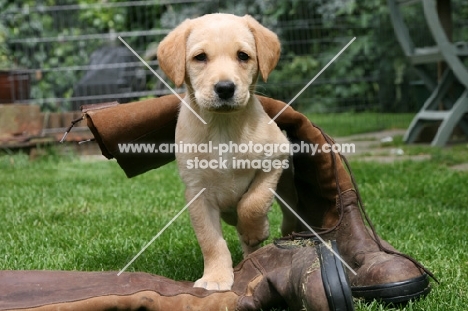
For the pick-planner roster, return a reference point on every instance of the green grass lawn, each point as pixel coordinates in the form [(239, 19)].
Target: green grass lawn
[(344, 124), (70, 214)]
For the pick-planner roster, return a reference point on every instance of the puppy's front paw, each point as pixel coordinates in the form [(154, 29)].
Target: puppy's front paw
[(254, 234), (209, 285), (218, 281)]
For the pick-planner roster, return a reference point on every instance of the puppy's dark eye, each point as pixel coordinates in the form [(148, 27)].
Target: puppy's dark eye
[(242, 56), (200, 57)]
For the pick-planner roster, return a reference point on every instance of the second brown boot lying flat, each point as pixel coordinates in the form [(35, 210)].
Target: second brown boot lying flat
[(292, 275), (323, 192)]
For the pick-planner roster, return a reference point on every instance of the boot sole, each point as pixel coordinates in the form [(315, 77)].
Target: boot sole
[(395, 293)]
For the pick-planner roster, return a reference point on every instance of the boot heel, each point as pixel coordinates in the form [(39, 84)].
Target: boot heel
[(334, 278)]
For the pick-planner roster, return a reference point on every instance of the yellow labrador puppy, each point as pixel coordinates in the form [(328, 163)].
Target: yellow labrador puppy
[(220, 57)]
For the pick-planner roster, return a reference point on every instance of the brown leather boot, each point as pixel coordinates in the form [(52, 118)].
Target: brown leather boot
[(327, 198), (323, 193), (293, 279)]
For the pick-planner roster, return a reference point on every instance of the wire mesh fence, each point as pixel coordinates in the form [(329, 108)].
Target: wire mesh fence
[(67, 53), (72, 54)]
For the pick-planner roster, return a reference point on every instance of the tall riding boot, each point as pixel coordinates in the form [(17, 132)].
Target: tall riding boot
[(301, 276), (327, 199), (323, 192)]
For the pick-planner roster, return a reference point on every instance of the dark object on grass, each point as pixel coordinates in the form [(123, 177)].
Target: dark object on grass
[(112, 72)]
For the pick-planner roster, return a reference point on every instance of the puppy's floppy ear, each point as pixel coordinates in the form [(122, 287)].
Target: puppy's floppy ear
[(171, 53), (267, 44)]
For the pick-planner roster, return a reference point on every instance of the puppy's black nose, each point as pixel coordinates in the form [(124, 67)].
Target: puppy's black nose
[(225, 89)]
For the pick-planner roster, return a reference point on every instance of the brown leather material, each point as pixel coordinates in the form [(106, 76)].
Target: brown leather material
[(293, 279), (60, 290), (93, 107), (147, 300), (357, 246), (315, 176), (149, 121)]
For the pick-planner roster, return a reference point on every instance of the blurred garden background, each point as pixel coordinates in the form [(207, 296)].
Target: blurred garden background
[(70, 51)]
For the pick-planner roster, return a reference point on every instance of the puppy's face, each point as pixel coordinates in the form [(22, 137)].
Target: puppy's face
[(219, 57), (221, 64)]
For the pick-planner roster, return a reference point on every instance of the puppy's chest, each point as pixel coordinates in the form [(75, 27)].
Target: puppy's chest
[(225, 146), (217, 166), (222, 166), (224, 186)]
